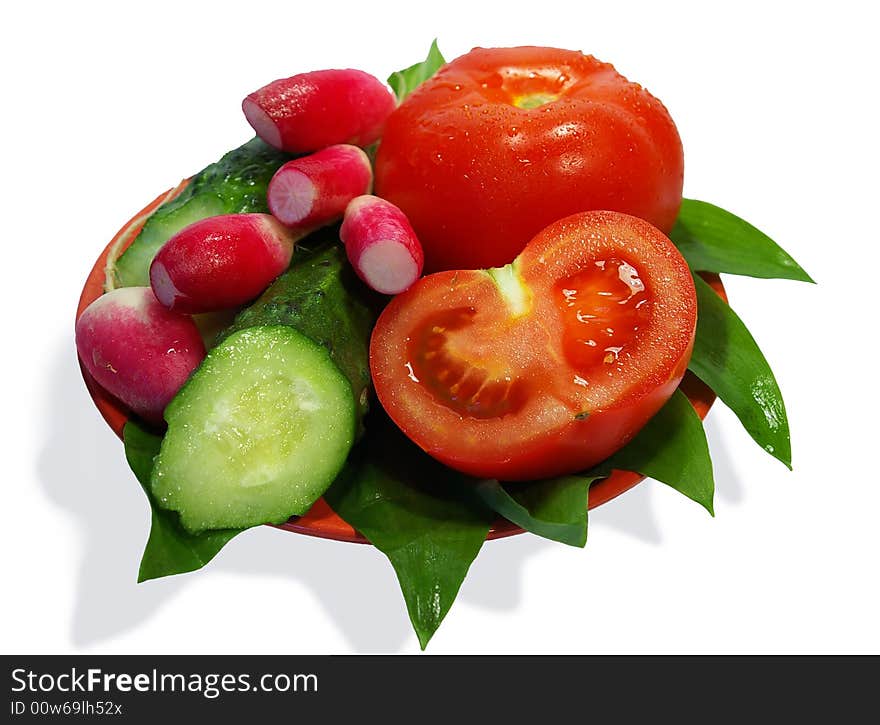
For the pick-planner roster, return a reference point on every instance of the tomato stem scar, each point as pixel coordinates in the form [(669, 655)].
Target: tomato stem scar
[(534, 100), (513, 289)]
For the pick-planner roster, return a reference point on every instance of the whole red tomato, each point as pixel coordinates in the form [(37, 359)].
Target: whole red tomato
[(547, 365), (501, 142)]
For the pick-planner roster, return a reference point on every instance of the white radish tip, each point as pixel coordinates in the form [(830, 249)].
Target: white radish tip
[(388, 267), (356, 204), (291, 196), (261, 123), (361, 154), (163, 287)]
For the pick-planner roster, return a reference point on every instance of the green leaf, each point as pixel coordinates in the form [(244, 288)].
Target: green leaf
[(714, 240), (406, 81), (170, 548), (727, 358), (672, 449), (420, 514), (555, 508)]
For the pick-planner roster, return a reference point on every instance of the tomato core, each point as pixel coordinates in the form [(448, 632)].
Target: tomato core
[(602, 308), (525, 89), (534, 100)]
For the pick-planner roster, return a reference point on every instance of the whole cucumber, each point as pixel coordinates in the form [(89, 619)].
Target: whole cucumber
[(321, 297)]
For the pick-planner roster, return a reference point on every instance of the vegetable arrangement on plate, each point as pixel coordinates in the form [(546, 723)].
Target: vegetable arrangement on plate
[(268, 335)]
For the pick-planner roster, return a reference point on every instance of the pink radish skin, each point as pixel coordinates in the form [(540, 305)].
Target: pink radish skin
[(311, 111), (137, 350), (381, 245), (221, 262), (312, 191)]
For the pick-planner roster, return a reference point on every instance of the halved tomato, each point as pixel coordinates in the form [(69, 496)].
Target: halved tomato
[(545, 366)]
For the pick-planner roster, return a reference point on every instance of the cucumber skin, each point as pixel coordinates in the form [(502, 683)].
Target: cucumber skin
[(321, 297), (236, 184)]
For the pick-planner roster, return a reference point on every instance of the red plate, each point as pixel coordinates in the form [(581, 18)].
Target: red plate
[(321, 520)]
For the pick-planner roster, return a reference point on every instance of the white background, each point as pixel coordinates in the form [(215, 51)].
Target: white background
[(105, 106)]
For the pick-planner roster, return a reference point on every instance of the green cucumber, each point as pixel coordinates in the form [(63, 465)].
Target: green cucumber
[(236, 184), (321, 297), (257, 434)]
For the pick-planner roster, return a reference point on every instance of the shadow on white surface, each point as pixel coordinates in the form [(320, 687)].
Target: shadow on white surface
[(630, 513), (495, 581), (82, 470), (354, 583), (728, 481)]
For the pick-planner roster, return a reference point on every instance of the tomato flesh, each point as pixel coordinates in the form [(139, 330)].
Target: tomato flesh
[(548, 365), (476, 388), (602, 308)]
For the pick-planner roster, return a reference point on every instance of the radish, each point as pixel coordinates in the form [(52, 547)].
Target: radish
[(221, 262), (314, 190), (310, 111), (137, 350), (381, 245)]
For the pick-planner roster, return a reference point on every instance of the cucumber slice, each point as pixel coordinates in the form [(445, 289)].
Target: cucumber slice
[(257, 434)]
